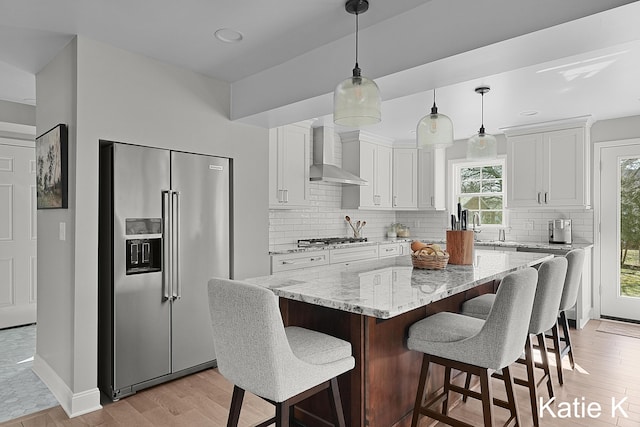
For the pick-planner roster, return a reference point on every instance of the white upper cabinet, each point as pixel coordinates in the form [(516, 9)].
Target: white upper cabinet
[(289, 162), (405, 178), (371, 158), (548, 166), (431, 179)]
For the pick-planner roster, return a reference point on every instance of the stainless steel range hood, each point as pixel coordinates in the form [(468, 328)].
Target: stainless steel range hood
[(323, 168)]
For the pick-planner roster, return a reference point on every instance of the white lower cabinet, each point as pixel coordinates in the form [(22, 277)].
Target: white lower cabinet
[(296, 260), (357, 253), (386, 250), (293, 261)]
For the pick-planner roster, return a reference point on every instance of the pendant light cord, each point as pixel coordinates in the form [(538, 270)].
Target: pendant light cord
[(357, 38), (482, 113)]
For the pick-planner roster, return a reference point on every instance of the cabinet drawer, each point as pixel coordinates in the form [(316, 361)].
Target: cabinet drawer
[(353, 254), (389, 250), (299, 260)]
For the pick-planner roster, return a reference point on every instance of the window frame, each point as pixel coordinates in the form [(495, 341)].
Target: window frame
[(454, 185)]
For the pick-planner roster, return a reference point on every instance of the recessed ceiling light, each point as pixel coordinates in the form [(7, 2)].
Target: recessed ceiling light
[(228, 35), (528, 113)]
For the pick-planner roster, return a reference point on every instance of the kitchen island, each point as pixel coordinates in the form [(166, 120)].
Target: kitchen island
[(371, 304)]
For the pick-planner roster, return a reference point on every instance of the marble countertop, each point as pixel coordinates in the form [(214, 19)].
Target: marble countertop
[(293, 248), (385, 288)]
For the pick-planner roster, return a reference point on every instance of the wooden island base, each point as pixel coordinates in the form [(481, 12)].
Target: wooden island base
[(381, 390)]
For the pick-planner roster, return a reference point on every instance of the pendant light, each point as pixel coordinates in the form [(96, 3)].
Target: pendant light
[(482, 145), (434, 130), (356, 101)]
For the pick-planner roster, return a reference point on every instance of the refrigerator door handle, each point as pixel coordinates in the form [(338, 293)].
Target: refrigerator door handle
[(175, 230), (166, 245)]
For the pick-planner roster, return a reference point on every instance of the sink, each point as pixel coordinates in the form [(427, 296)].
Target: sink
[(496, 242)]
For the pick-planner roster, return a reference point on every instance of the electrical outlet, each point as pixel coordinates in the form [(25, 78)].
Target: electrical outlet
[(529, 224)]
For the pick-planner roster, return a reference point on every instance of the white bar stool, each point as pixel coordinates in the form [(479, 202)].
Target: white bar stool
[(476, 346), (551, 276), (258, 354)]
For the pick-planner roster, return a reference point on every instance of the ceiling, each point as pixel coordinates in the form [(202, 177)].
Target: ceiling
[(557, 59)]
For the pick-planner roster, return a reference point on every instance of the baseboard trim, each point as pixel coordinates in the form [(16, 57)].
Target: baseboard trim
[(74, 404)]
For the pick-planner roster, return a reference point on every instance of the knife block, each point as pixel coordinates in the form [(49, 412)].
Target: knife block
[(460, 246)]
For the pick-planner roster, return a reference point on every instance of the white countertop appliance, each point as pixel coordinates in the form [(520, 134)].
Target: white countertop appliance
[(560, 231)]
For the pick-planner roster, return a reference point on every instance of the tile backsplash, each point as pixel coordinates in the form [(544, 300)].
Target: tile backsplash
[(524, 225), (325, 218)]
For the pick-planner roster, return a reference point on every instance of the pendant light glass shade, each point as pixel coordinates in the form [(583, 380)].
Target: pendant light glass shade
[(482, 145), (434, 130), (356, 100)]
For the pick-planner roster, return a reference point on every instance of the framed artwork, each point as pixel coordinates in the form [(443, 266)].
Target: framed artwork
[(51, 168)]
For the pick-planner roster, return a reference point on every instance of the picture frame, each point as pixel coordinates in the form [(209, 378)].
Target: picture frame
[(52, 168)]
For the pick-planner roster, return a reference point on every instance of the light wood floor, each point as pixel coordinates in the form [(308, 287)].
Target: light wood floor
[(608, 366)]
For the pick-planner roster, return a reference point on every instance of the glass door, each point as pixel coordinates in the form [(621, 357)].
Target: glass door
[(620, 232)]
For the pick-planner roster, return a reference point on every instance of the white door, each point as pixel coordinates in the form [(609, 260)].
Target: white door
[(17, 235), (619, 207)]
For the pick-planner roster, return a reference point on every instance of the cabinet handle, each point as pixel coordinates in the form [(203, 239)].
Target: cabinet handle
[(432, 202), (280, 196), (286, 196), (546, 197), (388, 250), (315, 259), (395, 200), (539, 198)]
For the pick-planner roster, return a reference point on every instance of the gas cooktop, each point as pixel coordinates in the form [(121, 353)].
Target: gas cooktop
[(324, 241)]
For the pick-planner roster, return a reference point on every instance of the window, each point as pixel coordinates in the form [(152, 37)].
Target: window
[(479, 187)]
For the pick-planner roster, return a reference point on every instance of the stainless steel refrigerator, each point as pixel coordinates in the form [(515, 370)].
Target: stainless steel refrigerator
[(164, 231)]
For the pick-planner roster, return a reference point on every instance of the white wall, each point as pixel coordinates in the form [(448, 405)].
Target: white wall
[(56, 88), (125, 97), (12, 112), (616, 129)]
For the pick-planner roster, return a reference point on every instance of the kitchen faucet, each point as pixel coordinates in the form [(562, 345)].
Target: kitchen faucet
[(475, 225)]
